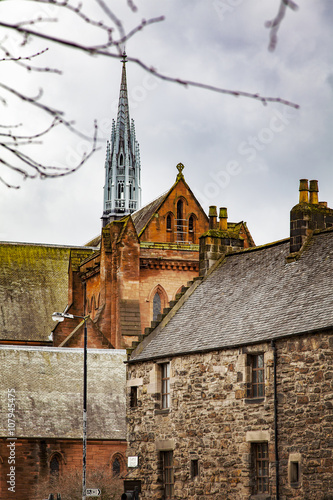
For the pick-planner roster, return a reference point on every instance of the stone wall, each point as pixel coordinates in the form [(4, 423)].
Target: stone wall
[(211, 420)]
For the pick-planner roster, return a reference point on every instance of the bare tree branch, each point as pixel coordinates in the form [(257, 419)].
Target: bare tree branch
[(106, 53), (21, 61), (275, 23), (38, 169), (11, 142)]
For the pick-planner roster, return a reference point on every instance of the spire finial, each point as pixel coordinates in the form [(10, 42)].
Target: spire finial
[(180, 168), (124, 59)]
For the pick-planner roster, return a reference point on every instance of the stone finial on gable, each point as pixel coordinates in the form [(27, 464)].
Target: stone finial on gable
[(180, 167)]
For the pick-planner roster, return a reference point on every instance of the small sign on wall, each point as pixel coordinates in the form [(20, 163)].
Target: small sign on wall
[(132, 461)]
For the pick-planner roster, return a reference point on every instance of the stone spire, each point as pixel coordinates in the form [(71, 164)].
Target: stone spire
[(122, 189)]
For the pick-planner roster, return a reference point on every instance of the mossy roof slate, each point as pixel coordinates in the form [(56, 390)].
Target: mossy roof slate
[(48, 385), (33, 284), (251, 296)]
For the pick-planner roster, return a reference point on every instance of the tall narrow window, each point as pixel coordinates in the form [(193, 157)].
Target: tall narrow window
[(116, 467), (121, 190), (194, 468), (54, 469), (121, 159), (168, 223), (157, 306), (294, 472), (180, 225), (191, 229), (191, 224), (168, 476), (165, 386), (134, 397), (256, 385), (261, 470)]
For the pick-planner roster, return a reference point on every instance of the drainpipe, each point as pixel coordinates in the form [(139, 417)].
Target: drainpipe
[(275, 424)]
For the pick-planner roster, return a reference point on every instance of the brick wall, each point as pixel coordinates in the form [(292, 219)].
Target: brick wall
[(32, 461)]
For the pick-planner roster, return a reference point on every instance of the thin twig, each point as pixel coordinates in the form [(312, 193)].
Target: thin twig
[(275, 23), (151, 70)]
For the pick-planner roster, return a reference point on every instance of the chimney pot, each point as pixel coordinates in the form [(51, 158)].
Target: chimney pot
[(304, 191), (212, 217), (314, 192), (223, 219)]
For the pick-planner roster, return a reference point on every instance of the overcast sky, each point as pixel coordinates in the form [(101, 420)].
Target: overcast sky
[(237, 153)]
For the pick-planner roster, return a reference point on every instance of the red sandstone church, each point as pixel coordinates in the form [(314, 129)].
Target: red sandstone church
[(143, 256), (123, 280)]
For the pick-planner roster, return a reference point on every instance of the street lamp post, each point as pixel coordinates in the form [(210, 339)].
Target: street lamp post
[(57, 316)]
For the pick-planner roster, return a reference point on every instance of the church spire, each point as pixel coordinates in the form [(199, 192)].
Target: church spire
[(122, 190)]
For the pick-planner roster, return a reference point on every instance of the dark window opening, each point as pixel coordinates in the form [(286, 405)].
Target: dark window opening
[(194, 468), (167, 470), (116, 467), (261, 467), (157, 306), (121, 160), (294, 472), (169, 223), (191, 223), (54, 469), (134, 397)]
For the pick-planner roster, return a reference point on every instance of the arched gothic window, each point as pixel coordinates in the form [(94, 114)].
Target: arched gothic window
[(116, 467), (121, 193), (157, 306), (191, 223), (191, 229), (121, 160), (54, 468), (180, 222), (169, 223)]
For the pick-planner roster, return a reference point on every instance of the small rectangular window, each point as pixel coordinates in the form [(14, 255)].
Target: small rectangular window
[(165, 386), (167, 470), (256, 385), (294, 473), (261, 467), (194, 468), (134, 397)]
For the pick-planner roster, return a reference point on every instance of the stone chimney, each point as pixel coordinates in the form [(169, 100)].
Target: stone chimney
[(309, 214), (217, 241), (212, 215)]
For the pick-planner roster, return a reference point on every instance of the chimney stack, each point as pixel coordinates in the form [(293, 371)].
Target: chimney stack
[(314, 192), (212, 217), (307, 216), (223, 219), (304, 191)]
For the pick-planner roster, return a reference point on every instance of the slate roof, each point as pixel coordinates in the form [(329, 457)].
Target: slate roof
[(48, 383), (142, 217), (33, 284), (251, 296)]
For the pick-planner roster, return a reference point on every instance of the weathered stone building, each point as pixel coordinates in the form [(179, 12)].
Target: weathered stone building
[(231, 395)]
